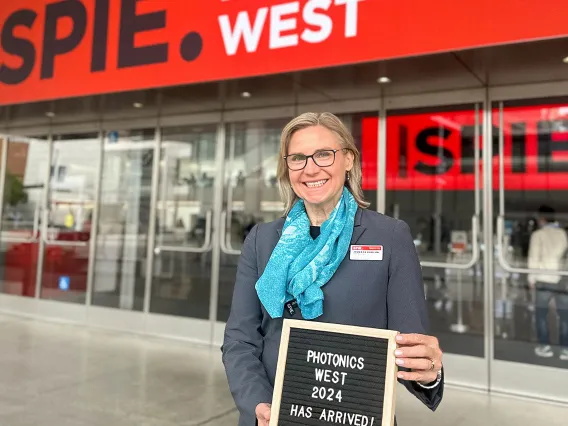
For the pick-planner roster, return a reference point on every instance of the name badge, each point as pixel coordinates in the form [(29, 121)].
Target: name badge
[(366, 253)]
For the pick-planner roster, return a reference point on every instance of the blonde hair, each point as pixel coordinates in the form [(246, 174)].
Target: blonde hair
[(336, 126)]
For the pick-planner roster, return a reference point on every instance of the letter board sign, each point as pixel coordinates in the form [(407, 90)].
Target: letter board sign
[(334, 374)]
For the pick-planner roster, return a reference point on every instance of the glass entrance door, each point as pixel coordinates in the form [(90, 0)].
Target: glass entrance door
[(182, 275), (531, 271), (432, 180), (119, 275), (22, 169), (250, 194), (66, 217)]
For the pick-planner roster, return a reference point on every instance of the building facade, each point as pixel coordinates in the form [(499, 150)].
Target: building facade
[(140, 144)]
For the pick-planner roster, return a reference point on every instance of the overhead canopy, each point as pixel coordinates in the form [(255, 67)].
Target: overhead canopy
[(59, 49)]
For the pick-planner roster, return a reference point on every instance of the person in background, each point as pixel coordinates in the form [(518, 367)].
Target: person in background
[(547, 251), (301, 266)]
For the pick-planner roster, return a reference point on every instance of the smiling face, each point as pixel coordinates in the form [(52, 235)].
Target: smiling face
[(318, 186)]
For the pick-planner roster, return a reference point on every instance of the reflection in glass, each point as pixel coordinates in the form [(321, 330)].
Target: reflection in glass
[(251, 193), (431, 182), (23, 190), (66, 225), (182, 266), (531, 308), (124, 212)]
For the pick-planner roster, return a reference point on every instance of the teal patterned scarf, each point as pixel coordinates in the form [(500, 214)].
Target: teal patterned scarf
[(299, 265)]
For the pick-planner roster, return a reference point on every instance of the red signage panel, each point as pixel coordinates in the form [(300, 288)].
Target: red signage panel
[(435, 151), (54, 49)]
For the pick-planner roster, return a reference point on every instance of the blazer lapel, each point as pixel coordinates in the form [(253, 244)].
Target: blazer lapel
[(358, 228)]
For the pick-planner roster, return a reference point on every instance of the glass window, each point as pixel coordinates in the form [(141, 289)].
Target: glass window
[(364, 128), (182, 266), (24, 184), (251, 193), (431, 182), (66, 224), (124, 213), (531, 308)]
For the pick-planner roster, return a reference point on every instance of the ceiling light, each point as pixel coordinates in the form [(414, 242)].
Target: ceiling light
[(383, 80), (50, 114), (246, 94), (565, 60), (138, 105)]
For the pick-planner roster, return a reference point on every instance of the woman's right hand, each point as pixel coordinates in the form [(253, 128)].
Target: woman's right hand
[(262, 412)]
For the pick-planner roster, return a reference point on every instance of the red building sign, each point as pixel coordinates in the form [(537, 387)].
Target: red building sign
[(54, 49)]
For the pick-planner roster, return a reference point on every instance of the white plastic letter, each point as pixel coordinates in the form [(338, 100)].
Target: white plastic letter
[(232, 37), (320, 20), (278, 25)]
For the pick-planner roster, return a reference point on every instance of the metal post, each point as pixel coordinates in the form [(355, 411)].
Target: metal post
[(231, 161), (501, 163), (3, 163), (438, 199), (459, 326), (382, 160), (162, 199), (95, 221), (45, 215), (150, 243), (217, 207), (476, 153), (488, 231)]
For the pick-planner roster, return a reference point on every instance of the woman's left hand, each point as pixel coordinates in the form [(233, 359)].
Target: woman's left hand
[(421, 354)]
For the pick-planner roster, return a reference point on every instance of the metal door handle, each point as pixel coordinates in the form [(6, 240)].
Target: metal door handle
[(35, 232), (66, 243), (474, 252), (507, 267), (225, 239), (203, 249)]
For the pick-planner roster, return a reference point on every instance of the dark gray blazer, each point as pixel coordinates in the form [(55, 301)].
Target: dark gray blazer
[(385, 294)]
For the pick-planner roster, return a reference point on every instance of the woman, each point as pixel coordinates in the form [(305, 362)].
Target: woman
[(301, 267)]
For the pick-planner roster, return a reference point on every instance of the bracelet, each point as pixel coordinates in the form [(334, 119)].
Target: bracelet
[(436, 383)]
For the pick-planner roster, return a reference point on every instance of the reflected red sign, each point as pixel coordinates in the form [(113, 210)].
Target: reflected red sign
[(53, 49), (435, 151)]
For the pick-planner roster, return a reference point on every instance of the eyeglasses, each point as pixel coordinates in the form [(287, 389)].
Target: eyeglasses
[(323, 158)]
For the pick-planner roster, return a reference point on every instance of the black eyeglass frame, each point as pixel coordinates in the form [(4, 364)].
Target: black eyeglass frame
[(313, 159)]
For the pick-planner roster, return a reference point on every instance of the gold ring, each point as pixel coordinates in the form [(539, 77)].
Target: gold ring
[(433, 365)]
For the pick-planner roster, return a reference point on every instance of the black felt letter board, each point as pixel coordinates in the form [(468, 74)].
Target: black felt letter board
[(330, 374)]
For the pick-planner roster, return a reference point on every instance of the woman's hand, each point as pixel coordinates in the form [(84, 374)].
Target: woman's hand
[(421, 354), (263, 414)]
